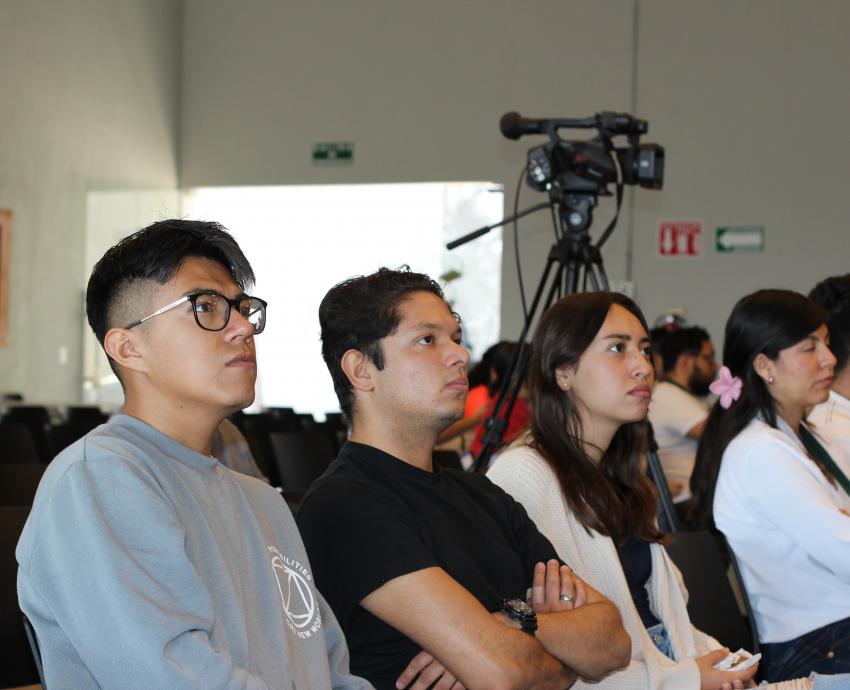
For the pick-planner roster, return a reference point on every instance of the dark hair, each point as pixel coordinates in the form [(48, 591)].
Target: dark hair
[(357, 313), (500, 362), (479, 373), (765, 322), (615, 497), (833, 294), (674, 344), (657, 336), (120, 281)]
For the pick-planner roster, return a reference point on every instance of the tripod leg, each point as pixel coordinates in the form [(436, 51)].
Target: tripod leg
[(496, 421)]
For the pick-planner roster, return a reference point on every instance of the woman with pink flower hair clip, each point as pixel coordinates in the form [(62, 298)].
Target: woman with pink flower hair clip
[(777, 487)]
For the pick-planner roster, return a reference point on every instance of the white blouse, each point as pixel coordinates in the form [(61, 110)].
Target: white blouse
[(784, 523)]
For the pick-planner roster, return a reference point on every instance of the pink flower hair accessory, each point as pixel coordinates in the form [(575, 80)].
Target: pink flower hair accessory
[(728, 387)]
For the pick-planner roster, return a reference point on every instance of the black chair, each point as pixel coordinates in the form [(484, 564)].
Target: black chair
[(712, 604), (285, 418), (307, 420), (301, 457), (85, 416), (16, 443), (61, 436), (256, 428), (19, 481), (18, 667), (335, 427), (32, 638), (37, 420)]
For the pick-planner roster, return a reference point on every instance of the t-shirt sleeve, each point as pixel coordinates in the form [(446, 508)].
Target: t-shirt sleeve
[(358, 538)]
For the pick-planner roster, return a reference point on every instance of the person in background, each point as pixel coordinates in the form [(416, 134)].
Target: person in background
[(656, 337), (231, 449), (580, 476), (832, 417), (776, 486), (518, 421), (677, 412)]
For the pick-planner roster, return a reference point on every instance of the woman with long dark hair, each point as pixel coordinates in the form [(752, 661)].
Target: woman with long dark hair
[(579, 474), (773, 484)]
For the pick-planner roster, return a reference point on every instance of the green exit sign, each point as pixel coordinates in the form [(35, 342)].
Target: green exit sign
[(740, 238), (333, 153)]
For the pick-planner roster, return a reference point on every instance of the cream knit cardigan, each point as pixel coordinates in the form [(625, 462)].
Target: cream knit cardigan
[(524, 474)]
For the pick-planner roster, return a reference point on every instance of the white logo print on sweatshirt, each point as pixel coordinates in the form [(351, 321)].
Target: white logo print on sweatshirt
[(296, 595)]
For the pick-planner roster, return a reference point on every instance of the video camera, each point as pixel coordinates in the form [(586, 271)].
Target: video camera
[(588, 167)]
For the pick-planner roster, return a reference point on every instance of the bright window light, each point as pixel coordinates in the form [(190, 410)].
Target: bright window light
[(302, 240)]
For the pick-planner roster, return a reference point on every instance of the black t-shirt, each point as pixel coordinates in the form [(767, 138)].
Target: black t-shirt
[(372, 517)]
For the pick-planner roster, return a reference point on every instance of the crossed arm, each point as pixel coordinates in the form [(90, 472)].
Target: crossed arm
[(476, 649)]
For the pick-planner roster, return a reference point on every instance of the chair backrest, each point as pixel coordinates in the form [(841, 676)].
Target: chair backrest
[(301, 457), (32, 638), (60, 436), (16, 443), (37, 419), (86, 416), (711, 580), (19, 481), (18, 667)]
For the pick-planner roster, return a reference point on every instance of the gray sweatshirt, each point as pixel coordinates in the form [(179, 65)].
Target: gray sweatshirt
[(147, 565)]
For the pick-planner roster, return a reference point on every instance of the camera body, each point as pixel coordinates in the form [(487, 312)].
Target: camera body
[(588, 166)]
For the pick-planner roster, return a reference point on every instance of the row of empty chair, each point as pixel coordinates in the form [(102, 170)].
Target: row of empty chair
[(36, 433)]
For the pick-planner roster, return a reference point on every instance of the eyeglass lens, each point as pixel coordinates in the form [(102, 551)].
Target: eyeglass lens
[(213, 312)]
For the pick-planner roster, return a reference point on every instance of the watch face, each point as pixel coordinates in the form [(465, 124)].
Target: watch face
[(521, 607), (523, 613)]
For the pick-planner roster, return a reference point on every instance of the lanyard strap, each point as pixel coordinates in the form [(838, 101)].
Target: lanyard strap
[(817, 451)]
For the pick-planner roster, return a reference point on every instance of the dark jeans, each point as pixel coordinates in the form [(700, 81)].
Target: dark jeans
[(825, 650)]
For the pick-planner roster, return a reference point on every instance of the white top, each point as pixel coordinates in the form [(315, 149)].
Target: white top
[(524, 474), (673, 412), (832, 418), (783, 521)]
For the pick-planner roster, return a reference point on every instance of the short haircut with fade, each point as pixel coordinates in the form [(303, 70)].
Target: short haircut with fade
[(123, 279), (357, 313)]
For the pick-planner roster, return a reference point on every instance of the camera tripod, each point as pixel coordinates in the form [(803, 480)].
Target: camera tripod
[(573, 264)]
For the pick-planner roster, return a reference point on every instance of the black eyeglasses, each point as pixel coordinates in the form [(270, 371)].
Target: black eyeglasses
[(212, 310)]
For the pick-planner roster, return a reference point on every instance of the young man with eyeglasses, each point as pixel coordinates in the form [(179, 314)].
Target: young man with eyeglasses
[(145, 563)]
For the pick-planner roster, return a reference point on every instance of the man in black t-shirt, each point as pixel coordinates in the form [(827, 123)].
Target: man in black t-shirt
[(425, 566)]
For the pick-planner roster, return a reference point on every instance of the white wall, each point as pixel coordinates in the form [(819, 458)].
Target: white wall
[(751, 101), (90, 96), (747, 98), (418, 87)]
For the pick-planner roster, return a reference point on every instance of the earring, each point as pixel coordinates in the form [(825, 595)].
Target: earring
[(770, 379)]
